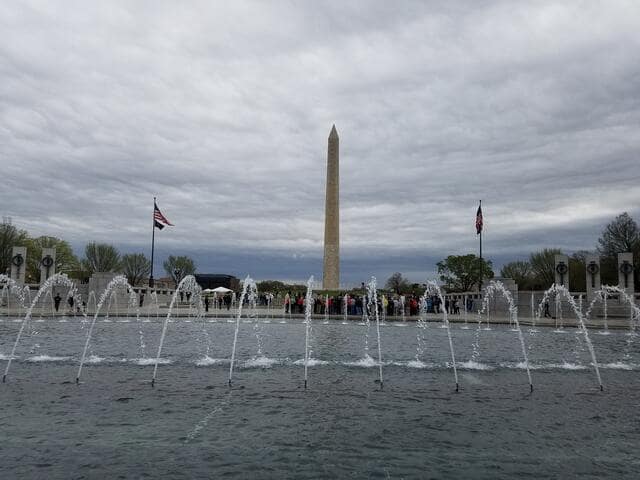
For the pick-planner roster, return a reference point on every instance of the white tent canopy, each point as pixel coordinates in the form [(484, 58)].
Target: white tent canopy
[(217, 290)]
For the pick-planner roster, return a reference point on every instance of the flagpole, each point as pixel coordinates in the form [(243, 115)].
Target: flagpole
[(480, 282), (153, 240)]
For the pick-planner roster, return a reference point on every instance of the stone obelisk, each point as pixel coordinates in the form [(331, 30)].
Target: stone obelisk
[(331, 266)]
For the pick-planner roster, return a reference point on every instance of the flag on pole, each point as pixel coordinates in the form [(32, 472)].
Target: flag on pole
[(479, 222), (159, 220)]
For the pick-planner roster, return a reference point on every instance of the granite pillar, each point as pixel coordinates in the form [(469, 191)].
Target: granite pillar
[(18, 264), (625, 272), (561, 270), (593, 275), (47, 264)]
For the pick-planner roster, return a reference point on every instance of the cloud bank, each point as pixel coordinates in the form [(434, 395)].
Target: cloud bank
[(222, 110)]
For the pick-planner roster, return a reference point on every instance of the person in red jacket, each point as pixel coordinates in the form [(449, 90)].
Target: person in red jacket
[(413, 306), (300, 303)]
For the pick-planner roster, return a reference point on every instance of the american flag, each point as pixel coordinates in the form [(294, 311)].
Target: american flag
[(159, 220), (479, 220)]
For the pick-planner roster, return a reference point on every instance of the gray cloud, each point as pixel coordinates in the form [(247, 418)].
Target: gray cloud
[(223, 111)]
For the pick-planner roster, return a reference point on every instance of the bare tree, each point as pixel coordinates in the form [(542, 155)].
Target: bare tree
[(100, 257), (543, 265), (621, 235), (397, 283), (179, 267), (519, 271), (136, 267)]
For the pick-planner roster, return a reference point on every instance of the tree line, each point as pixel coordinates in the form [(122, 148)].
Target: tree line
[(458, 273), (620, 235), (461, 273), (98, 257)]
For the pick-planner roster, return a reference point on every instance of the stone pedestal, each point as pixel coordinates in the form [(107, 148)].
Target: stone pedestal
[(99, 281), (18, 264), (47, 264), (500, 303), (593, 275), (561, 270), (625, 272)]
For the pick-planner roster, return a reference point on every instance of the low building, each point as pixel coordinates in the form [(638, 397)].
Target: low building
[(214, 280)]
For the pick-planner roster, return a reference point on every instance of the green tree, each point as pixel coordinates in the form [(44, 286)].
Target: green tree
[(543, 265), (521, 272), (179, 267), (397, 283), (66, 260), (100, 257), (272, 286), (460, 273), (609, 270), (578, 271), (10, 237), (136, 267)]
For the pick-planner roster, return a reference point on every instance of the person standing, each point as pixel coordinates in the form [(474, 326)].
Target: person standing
[(206, 304), (300, 303), (287, 303), (413, 306), (56, 301)]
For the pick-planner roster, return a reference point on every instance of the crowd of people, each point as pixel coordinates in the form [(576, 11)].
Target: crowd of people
[(394, 305), (350, 305), (219, 302)]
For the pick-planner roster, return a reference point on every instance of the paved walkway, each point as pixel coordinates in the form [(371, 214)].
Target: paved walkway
[(472, 319)]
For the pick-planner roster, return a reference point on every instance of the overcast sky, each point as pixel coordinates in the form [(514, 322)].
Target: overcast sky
[(222, 110)]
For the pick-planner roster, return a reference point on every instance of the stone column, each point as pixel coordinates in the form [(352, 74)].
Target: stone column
[(625, 272), (331, 265), (18, 264), (47, 264), (561, 270), (593, 275)]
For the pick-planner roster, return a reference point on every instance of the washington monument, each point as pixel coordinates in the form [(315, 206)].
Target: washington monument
[(331, 266)]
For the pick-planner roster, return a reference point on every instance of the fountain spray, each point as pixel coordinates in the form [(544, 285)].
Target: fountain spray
[(307, 322), (57, 280), (432, 287), (119, 281), (559, 291), (326, 305), (245, 285), (372, 294), (346, 307), (513, 317), (187, 284)]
